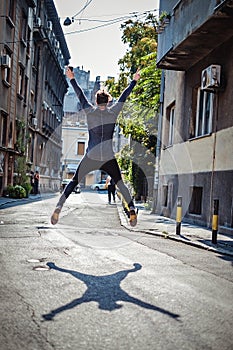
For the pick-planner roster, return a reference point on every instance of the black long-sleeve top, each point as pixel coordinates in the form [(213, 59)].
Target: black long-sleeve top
[(101, 123)]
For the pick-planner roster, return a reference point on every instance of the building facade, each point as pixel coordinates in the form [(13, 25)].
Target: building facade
[(194, 158), (33, 54)]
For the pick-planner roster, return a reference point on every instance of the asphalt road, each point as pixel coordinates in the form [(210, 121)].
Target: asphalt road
[(88, 283)]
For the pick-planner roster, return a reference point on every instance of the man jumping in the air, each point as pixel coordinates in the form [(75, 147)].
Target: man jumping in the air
[(101, 121)]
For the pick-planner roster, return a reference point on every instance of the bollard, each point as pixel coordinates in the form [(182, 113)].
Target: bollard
[(215, 221), (178, 215)]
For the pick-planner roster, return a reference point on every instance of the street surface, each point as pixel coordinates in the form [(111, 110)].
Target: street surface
[(88, 283)]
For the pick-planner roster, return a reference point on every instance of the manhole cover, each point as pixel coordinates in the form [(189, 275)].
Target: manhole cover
[(41, 268), (36, 260)]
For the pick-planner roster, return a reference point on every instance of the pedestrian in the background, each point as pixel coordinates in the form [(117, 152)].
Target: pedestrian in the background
[(36, 182), (32, 181), (111, 186)]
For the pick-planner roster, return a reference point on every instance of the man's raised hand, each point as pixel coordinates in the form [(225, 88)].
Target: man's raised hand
[(69, 73), (137, 75)]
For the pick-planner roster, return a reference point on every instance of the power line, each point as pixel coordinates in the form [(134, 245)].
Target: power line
[(85, 6), (92, 28), (128, 13), (107, 23), (123, 16), (81, 14)]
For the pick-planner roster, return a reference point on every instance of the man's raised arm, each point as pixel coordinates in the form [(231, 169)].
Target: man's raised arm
[(79, 92)]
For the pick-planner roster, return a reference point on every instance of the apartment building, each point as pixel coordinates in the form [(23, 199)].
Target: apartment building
[(194, 158), (33, 53)]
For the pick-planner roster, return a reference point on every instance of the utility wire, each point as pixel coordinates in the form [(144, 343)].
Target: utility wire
[(82, 9), (123, 16), (81, 14), (108, 23)]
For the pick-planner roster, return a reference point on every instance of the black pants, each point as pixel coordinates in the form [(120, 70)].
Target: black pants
[(111, 192), (87, 165), (36, 187)]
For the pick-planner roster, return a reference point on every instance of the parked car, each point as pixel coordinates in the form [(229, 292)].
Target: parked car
[(99, 186), (77, 189)]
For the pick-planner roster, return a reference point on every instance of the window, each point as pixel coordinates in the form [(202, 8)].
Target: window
[(11, 9), (28, 40), (3, 129), (31, 148), (7, 67), (10, 136), (1, 163), (192, 122), (20, 80), (25, 89), (204, 113), (32, 98), (169, 127), (196, 200), (42, 153), (23, 28), (81, 148), (36, 56), (165, 195)]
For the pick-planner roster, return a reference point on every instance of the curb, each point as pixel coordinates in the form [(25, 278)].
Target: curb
[(213, 249), (13, 201), (28, 199)]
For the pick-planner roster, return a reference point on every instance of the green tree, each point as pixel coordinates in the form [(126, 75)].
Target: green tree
[(20, 166), (139, 116)]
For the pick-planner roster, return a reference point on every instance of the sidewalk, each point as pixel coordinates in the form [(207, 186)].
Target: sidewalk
[(31, 198), (197, 236), (153, 224)]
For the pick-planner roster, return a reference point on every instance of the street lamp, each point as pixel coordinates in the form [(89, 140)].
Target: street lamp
[(68, 21)]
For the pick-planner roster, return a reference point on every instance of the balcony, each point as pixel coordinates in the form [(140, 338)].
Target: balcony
[(195, 29)]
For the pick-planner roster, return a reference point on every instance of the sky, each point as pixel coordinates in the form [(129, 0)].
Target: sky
[(99, 49)]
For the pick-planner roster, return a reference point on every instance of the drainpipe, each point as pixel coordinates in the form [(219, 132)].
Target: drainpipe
[(213, 161)]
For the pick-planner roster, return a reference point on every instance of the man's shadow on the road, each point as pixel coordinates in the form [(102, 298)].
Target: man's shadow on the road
[(104, 290)]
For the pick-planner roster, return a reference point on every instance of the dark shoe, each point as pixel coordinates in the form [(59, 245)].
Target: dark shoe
[(132, 218), (55, 216)]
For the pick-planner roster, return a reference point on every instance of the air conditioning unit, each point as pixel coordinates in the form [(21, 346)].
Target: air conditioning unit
[(34, 121), (49, 25), (6, 61), (210, 77), (38, 22)]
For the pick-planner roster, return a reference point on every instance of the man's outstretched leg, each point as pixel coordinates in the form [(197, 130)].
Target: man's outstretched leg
[(67, 191), (85, 166), (112, 168), (126, 195)]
